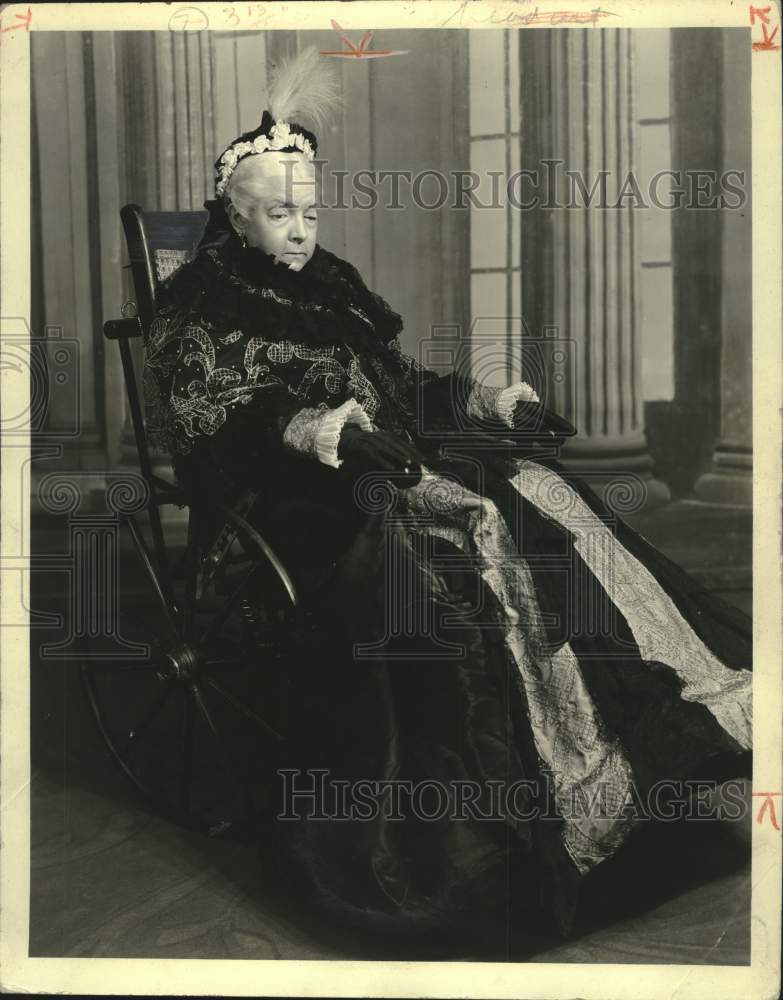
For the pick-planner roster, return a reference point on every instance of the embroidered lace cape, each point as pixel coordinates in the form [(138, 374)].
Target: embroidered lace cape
[(237, 334), (496, 626)]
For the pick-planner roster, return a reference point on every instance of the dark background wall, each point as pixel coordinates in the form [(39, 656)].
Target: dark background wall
[(141, 117)]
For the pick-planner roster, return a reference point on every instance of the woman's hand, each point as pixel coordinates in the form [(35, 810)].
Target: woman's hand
[(531, 427), (380, 452), (532, 419)]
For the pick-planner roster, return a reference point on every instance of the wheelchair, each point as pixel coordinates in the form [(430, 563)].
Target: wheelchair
[(193, 723)]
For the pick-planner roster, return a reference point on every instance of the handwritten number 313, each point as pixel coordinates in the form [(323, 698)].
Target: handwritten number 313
[(255, 10)]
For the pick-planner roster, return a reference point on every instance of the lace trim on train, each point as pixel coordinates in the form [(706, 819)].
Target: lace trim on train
[(588, 766), (660, 631)]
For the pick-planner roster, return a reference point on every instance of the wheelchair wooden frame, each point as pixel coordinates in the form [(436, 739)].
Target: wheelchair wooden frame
[(183, 654)]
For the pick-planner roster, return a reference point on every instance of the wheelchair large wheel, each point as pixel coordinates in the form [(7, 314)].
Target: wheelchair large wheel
[(196, 711)]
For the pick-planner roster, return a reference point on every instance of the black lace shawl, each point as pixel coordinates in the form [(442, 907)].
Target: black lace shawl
[(241, 344)]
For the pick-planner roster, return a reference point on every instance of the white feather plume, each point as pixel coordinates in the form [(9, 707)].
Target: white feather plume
[(305, 85)]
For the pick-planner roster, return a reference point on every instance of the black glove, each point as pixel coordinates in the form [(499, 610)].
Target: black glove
[(381, 452), (534, 422), (537, 433)]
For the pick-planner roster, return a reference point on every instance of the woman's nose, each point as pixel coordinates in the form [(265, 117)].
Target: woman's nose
[(296, 231)]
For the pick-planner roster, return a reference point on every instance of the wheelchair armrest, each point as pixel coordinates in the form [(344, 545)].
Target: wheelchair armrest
[(166, 492), (116, 329), (237, 526), (247, 533)]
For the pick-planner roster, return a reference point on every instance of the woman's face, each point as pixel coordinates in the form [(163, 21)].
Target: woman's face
[(273, 202)]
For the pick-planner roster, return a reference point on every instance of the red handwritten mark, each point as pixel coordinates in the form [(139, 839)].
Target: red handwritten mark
[(767, 43), (360, 51), (561, 16), (761, 13), (24, 18), (534, 16), (767, 806)]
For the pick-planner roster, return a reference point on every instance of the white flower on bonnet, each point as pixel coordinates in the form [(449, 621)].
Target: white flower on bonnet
[(303, 85)]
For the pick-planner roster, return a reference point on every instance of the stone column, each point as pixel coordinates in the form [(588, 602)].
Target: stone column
[(730, 480), (580, 264), (169, 143), (168, 111), (65, 307)]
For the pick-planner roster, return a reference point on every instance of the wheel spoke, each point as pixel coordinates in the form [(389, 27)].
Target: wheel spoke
[(159, 546), (229, 605), (223, 753), (198, 697), (179, 566), (187, 754), (181, 756), (166, 603), (243, 709), (115, 666), (192, 568), (228, 648), (148, 719)]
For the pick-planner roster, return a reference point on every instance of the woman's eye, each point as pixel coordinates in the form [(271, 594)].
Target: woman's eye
[(277, 215), (311, 218)]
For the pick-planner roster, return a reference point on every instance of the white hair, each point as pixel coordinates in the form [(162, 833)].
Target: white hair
[(250, 181)]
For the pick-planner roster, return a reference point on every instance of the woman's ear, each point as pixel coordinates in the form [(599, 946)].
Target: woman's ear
[(237, 220)]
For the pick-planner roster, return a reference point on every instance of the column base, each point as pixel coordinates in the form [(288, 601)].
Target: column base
[(174, 519), (730, 481), (619, 470), (67, 476)]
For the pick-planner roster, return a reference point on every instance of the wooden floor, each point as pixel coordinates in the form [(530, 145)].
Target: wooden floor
[(111, 880)]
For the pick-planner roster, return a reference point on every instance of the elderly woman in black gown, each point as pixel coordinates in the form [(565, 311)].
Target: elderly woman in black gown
[(460, 702)]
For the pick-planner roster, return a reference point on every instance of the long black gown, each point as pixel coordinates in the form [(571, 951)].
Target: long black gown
[(494, 634)]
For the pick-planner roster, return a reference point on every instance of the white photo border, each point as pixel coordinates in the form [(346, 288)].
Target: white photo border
[(99, 976)]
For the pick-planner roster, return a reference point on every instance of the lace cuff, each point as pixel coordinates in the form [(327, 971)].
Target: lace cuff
[(509, 397), (317, 432), (489, 402)]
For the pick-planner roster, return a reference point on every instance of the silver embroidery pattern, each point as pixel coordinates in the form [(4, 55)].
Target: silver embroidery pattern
[(361, 314), (387, 383), (483, 400), (264, 293), (409, 363), (658, 628), (587, 764), (196, 406), (168, 261), (330, 371), (202, 390), (283, 351), (362, 388)]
